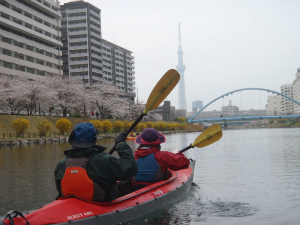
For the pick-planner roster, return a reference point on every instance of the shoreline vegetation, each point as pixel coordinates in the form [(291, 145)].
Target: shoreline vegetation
[(31, 135)]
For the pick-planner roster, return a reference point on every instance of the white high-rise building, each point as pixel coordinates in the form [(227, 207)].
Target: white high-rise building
[(274, 105), (88, 57), (30, 38), (296, 91), (287, 106)]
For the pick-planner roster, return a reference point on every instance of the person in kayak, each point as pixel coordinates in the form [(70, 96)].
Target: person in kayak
[(88, 172), (153, 164)]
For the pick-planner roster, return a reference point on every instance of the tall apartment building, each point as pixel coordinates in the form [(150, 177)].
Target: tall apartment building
[(30, 38), (287, 106), (87, 56), (296, 91), (274, 105)]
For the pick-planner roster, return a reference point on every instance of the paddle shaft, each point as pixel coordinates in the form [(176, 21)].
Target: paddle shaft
[(135, 123), (129, 130), (185, 149)]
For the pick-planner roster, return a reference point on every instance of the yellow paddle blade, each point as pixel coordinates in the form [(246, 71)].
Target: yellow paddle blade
[(162, 89), (209, 136)]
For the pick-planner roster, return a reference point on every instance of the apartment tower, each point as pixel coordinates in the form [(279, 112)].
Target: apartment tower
[(30, 38), (287, 106), (88, 57)]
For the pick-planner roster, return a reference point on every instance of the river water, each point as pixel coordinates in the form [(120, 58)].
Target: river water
[(247, 177)]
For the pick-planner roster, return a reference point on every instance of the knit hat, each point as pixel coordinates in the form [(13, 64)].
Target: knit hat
[(150, 136), (83, 136)]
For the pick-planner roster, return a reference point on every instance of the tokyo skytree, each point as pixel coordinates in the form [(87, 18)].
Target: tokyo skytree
[(181, 68)]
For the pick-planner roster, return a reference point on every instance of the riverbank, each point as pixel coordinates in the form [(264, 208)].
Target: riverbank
[(63, 139)]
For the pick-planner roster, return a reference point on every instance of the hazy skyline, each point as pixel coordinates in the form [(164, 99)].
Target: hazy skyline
[(227, 45)]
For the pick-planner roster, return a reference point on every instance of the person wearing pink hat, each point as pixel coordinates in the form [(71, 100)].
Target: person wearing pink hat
[(153, 164)]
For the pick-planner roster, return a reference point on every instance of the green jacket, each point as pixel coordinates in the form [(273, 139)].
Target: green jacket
[(102, 168)]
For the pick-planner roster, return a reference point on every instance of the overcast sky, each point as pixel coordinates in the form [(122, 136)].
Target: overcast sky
[(227, 45)]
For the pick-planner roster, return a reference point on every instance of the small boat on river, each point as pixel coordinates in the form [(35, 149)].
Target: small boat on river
[(74, 210), (131, 138)]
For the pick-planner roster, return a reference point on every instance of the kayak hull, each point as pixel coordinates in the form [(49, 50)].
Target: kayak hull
[(138, 203)]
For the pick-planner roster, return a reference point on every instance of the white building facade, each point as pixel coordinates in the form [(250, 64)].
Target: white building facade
[(88, 57), (30, 38), (287, 106), (296, 92), (274, 105)]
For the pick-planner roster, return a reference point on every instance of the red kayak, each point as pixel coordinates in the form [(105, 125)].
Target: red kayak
[(78, 211)]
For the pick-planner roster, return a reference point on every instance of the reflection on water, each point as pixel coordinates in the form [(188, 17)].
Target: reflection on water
[(247, 177)]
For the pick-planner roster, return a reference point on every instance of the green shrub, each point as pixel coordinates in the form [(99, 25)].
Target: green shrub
[(118, 126), (142, 127), (181, 119), (137, 128), (63, 125), (161, 126), (156, 126), (97, 124), (20, 126), (126, 125), (43, 127), (106, 126), (149, 125)]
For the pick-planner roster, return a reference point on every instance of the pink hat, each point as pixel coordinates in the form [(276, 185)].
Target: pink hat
[(150, 136)]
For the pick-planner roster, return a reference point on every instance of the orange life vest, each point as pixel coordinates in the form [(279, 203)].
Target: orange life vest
[(77, 182)]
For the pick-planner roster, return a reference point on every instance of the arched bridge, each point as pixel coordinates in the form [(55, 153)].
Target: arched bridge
[(244, 118)]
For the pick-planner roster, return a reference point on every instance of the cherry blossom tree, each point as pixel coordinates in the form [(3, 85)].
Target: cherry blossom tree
[(65, 94), (70, 93), (35, 94), (109, 101), (11, 95), (136, 109)]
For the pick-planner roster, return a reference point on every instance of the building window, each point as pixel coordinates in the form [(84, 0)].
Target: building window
[(40, 51), (38, 19), (41, 62), (20, 68), (5, 16), (19, 44), (17, 9), (7, 65), (29, 26), (6, 40), (17, 21), (30, 70), (6, 52), (30, 59), (28, 47), (28, 15), (19, 56)]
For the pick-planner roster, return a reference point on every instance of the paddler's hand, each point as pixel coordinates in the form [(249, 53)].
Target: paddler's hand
[(120, 138), (176, 151)]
